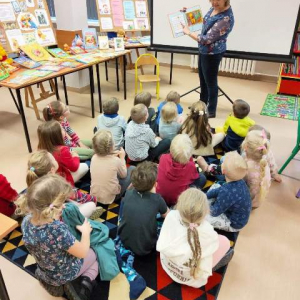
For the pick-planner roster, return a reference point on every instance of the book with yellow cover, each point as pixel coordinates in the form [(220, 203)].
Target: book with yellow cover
[(36, 52)]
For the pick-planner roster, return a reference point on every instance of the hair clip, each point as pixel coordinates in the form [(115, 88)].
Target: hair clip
[(262, 148), (32, 169), (193, 226), (51, 206), (263, 134)]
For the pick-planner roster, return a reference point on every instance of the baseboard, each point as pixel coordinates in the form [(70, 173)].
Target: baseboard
[(255, 77)]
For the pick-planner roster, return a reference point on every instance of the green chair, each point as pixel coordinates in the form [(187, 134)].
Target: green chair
[(295, 150)]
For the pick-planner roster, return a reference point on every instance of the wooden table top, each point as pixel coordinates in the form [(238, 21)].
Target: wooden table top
[(53, 75)]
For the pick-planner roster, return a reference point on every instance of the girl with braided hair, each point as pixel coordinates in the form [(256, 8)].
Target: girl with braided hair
[(197, 127), (188, 245), (60, 257), (256, 148), (58, 111), (109, 175)]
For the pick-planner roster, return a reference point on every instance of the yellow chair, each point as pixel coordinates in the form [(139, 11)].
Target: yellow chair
[(147, 60)]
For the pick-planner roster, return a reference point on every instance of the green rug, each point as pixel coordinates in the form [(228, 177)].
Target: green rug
[(280, 106)]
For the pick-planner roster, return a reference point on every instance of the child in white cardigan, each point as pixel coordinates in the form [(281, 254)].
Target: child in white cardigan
[(188, 245)]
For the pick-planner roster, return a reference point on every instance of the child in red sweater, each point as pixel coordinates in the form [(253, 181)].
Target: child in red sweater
[(51, 139), (7, 197), (177, 171)]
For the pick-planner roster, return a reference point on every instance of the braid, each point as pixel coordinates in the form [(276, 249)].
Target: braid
[(196, 250), (262, 164)]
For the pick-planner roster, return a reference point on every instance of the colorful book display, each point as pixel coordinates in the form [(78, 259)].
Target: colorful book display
[(27, 63), (36, 52), (128, 15), (24, 22), (77, 50), (59, 53), (90, 38), (3, 72)]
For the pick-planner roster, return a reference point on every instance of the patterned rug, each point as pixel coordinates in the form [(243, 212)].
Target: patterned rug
[(159, 285), (280, 106)]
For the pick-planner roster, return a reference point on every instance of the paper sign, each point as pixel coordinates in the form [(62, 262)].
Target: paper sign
[(15, 39), (29, 37), (104, 7), (141, 24), (30, 3), (45, 36), (141, 9), (118, 20), (128, 25), (42, 17), (41, 4), (7, 13), (117, 7), (106, 23), (129, 11), (16, 6)]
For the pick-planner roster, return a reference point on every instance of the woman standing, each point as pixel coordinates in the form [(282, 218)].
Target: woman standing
[(217, 25)]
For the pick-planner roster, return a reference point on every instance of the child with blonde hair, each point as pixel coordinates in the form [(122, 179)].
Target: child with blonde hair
[(189, 247), (168, 124), (177, 170), (58, 111), (140, 141), (196, 126), (230, 204), (171, 97), (42, 163), (109, 175), (256, 148), (270, 156), (59, 256), (51, 139), (112, 121)]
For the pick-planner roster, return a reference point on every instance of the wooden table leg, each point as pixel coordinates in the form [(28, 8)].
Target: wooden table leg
[(23, 120)]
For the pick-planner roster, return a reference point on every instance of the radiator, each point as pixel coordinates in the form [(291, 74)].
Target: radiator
[(231, 65)]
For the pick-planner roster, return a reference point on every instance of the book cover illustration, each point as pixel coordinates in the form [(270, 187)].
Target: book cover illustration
[(90, 38), (51, 68), (3, 72), (103, 42), (86, 59), (27, 63), (71, 64), (36, 52), (77, 50), (57, 52)]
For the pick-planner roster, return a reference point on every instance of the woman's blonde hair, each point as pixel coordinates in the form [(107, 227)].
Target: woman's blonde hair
[(193, 207), (169, 112), (103, 142), (39, 164), (44, 198), (256, 146), (181, 149), (196, 124)]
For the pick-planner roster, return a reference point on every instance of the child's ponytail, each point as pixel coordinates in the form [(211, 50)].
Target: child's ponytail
[(262, 165), (194, 242), (22, 205), (53, 111), (31, 176)]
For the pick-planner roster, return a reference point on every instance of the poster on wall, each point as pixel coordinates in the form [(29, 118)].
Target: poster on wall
[(41, 4), (42, 17), (30, 3), (15, 39), (29, 37), (129, 11), (104, 7), (141, 24), (106, 23), (27, 21), (16, 6), (141, 9), (7, 13), (45, 36), (23, 6)]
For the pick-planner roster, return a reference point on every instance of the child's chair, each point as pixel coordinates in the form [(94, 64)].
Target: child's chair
[(144, 60)]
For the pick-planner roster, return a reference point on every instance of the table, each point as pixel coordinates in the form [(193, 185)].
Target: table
[(62, 74)]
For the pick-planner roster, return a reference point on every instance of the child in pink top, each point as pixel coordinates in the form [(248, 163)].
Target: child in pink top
[(258, 178), (177, 170)]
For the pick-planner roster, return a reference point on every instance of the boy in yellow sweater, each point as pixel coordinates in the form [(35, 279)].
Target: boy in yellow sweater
[(237, 125)]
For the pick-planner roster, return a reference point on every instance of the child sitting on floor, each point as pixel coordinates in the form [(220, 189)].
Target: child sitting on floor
[(196, 126), (237, 125), (145, 98), (270, 156), (110, 120), (230, 204), (189, 247), (140, 141), (42, 163), (7, 197), (168, 124), (51, 139), (171, 97), (138, 225), (177, 170), (109, 175), (59, 256), (256, 148)]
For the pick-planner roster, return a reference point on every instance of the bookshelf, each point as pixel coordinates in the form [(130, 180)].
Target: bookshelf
[(289, 78)]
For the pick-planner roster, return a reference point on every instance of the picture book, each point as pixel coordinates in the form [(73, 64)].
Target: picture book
[(36, 52), (77, 50), (3, 72), (57, 52), (20, 79), (71, 64), (90, 38), (10, 68), (192, 18), (26, 62), (86, 59), (103, 42), (119, 44), (37, 73), (51, 68)]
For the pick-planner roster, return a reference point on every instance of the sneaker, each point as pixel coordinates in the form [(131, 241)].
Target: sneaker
[(97, 213), (79, 289), (225, 260), (55, 291)]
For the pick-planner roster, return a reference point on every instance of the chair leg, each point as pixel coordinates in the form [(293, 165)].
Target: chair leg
[(26, 97), (34, 103), (294, 153), (141, 87), (136, 86)]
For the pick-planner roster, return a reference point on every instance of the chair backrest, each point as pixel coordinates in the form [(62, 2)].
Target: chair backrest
[(146, 59)]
